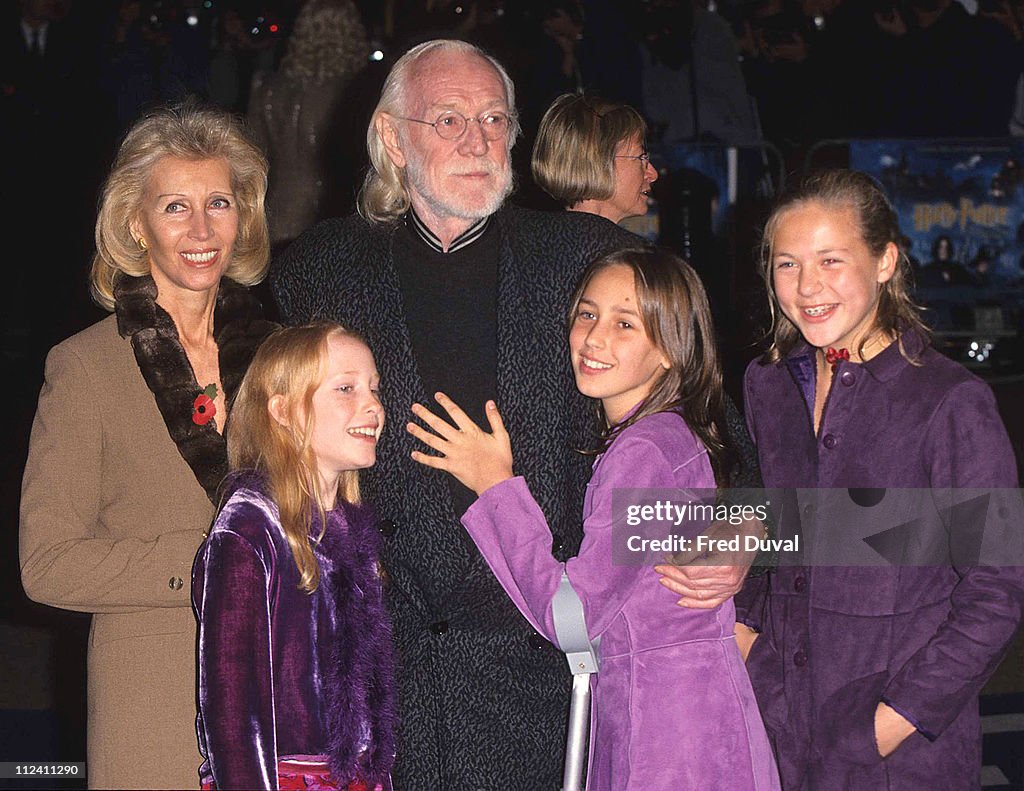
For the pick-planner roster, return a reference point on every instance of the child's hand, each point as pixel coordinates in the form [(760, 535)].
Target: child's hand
[(891, 729), (477, 459), (745, 637)]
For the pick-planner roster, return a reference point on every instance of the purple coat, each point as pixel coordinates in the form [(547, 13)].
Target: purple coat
[(673, 709), (283, 672), (837, 640)]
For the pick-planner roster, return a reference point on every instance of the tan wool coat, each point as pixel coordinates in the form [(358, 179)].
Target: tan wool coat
[(111, 519)]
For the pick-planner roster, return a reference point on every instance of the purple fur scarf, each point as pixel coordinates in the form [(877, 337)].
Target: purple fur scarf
[(360, 682)]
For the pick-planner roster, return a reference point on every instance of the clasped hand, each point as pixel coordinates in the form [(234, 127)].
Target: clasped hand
[(708, 579), (476, 458)]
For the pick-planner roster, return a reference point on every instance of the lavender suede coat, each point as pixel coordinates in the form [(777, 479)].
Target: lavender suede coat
[(837, 640), (673, 707), (286, 673)]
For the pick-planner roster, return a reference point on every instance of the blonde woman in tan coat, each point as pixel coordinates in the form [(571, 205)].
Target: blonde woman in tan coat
[(127, 451)]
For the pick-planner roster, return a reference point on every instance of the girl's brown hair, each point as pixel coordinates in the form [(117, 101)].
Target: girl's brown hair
[(677, 319), (840, 188)]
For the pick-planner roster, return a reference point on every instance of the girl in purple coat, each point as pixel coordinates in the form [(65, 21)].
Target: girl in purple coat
[(868, 674), (295, 656), (673, 707)]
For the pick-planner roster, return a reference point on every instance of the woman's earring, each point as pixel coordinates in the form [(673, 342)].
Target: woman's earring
[(142, 243)]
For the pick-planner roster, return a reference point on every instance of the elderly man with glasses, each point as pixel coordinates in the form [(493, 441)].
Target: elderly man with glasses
[(458, 291)]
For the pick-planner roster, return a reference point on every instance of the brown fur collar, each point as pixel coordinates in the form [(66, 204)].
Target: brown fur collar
[(238, 329)]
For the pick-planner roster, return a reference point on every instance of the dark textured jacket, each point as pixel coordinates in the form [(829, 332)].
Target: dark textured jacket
[(484, 699)]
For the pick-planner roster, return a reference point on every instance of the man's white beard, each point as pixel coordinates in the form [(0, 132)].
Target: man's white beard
[(451, 205)]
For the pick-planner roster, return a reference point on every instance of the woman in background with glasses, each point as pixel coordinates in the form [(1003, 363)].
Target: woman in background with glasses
[(590, 156)]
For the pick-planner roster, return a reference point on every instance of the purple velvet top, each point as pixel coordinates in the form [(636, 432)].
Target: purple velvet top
[(709, 735), (283, 672), (836, 640)]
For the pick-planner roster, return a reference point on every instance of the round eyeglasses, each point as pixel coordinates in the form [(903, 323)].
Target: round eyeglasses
[(452, 125)]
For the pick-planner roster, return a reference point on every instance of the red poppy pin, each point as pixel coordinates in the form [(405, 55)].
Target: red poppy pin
[(203, 408)]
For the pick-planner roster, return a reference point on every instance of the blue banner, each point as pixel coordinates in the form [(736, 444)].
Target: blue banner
[(961, 202)]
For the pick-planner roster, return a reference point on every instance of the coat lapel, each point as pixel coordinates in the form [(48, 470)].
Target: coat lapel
[(238, 331)]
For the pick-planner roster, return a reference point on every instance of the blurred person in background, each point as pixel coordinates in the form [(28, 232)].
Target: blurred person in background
[(52, 135), (153, 51), (693, 87), (299, 116), (246, 38), (946, 54)]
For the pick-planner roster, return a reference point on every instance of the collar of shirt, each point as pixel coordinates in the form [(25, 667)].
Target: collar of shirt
[(883, 366), (464, 239)]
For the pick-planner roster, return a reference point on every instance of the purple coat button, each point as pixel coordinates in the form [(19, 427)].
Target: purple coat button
[(800, 658), (830, 441), (848, 378), (800, 584)]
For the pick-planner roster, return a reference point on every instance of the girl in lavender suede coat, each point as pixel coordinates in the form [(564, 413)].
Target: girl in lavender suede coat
[(868, 675), (295, 658), (673, 707)]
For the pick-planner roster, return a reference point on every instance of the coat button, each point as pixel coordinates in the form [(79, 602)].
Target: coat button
[(830, 441), (536, 641), (848, 378), (387, 528), (800, 658), (175, 583), (800, 584), (440, 627)]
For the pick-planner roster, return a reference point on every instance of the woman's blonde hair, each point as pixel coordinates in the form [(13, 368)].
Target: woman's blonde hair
[(841, 188), (188, 130), (384, 196), (574, 154), (291, 362)]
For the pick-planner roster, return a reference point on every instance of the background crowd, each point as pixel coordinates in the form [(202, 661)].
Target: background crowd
[(777, 74)]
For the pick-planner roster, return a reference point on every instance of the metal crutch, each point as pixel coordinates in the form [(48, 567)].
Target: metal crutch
[(582, 654)]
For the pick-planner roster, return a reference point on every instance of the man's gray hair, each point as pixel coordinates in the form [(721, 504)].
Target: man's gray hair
[(384, 196)]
